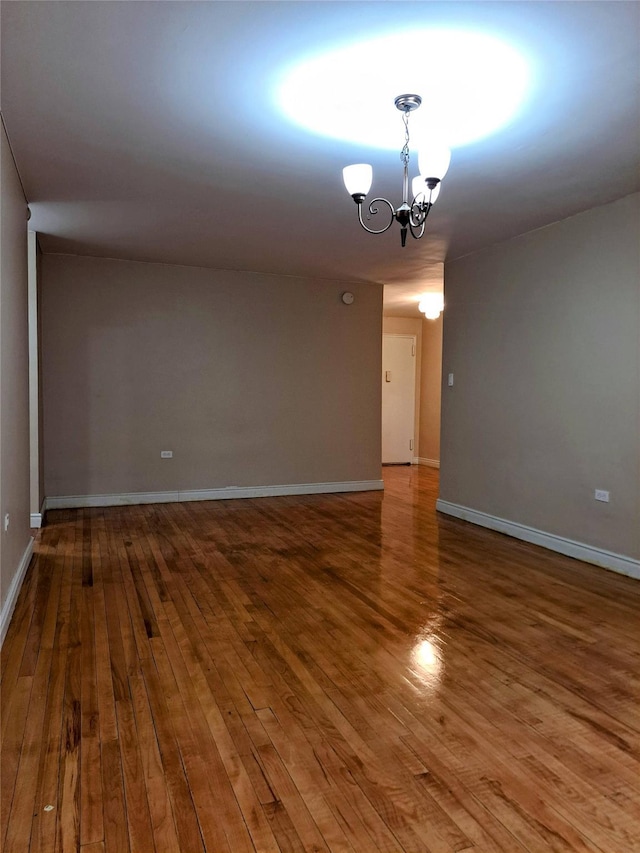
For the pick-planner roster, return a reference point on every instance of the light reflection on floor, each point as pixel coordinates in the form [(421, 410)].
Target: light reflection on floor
[(426, 662)]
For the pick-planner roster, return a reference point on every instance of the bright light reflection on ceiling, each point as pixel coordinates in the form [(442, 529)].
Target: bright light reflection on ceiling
[(471, 85)]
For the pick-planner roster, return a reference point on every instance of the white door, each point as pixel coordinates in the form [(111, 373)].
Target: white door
[(398, 398)]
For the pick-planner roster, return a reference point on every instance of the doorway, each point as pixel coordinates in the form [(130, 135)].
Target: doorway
[(398, 398)]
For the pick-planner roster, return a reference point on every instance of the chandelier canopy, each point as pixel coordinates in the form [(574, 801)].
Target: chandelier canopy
[(433, 163)]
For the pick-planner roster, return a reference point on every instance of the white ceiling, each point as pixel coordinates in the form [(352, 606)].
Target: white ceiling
[(150, 131)]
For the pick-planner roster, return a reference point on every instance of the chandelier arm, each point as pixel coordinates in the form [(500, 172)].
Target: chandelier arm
[(419, 212), (419, 228), (374, 211)]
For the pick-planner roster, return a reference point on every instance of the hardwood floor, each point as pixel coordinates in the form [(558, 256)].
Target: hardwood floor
[(324, 673)]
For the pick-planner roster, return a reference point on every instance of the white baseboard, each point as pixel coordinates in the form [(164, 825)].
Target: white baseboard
[(568, 547), (429, 463), (14, 589), (37, 518), (227, 493)]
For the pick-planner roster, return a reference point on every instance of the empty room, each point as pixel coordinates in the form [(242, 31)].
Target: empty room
[(320, 426)]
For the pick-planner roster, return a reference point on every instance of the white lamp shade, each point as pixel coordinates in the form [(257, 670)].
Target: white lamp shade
[(358, 178), (418, 185), (433, 161), (431, 304)]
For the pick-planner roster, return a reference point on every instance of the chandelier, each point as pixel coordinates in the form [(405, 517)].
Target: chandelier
[(433, 163)]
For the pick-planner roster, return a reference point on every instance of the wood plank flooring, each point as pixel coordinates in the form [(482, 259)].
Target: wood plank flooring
[(344, 673)]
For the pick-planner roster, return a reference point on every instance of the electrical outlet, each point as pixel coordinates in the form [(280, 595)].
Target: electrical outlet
[(166, 454), (450, 380), (6, 522), (602, 495)]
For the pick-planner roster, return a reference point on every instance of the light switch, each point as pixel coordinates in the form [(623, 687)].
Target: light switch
[(387, 376), (450, 380)]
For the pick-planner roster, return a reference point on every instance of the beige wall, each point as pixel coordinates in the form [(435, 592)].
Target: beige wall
[(541, 333), (250, 379), (431, 384), (14, 375)]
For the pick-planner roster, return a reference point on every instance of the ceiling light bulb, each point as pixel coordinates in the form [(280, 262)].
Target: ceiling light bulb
[(431, 305), (358, 178)]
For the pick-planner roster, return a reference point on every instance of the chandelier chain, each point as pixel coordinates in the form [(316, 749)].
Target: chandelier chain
[(404, 154)]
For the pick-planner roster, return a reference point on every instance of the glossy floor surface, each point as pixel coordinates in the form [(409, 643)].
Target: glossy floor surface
[(324, 673)]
